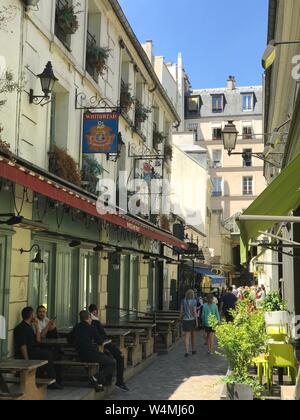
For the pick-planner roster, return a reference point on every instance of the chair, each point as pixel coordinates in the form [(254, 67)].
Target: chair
[(262, 364), (277, 330), (282, 356)]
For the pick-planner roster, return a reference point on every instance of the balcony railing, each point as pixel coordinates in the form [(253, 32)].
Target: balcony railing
[(64, 37), (90, 43)]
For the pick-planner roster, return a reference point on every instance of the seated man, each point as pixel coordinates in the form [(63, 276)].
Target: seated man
[(111, 348), (86, 339), (27, 344), (47, 327)]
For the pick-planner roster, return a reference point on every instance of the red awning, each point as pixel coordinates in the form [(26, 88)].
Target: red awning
[(40, 184)]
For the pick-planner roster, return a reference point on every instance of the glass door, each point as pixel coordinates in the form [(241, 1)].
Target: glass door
[(88, 279), (41, 279)]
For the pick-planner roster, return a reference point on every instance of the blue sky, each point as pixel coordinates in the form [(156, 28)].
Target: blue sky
[(216, 37)]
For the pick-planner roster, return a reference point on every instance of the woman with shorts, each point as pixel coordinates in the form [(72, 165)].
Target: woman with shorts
[(210, 308), (190, 322)]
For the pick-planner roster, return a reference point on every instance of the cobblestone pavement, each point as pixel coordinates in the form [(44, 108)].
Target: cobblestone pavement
[(174, 377)]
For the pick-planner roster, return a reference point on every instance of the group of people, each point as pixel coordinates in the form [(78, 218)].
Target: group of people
[(86, 337), (197, 309)]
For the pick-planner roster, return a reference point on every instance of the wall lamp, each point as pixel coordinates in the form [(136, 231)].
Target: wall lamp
[(38, 257), (48, 80), (229, 137), (13, 219), (270, 52)]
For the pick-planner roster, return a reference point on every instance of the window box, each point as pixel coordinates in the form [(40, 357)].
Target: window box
[(96, 58), (141, 113), (126, 99)]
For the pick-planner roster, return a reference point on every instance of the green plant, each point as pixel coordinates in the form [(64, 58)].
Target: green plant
[(64, 166), (97, 58), (91, 169), (241, 341), (273, 303), (66, 17), (168, 151), (158, 138), (141, 112), (126, 99)]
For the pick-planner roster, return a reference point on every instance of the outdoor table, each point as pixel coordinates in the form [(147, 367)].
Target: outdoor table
[(120, 334), (27, 370)]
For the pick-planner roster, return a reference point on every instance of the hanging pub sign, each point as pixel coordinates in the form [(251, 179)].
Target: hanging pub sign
[(100, 133)]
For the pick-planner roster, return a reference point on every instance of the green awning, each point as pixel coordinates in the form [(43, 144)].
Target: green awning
[(279, 199)]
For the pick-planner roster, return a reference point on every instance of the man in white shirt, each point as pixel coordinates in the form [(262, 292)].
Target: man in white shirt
[(46, 326)]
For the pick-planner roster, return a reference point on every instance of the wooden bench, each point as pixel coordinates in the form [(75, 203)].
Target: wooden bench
[(92, 368), (28, 382), (11, 396)]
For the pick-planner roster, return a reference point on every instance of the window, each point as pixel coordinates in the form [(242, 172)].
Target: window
[(247, 158), (247, 185), (248, 102), (247, 132), (217, 187), (217, 159), (60, 31), (194, 104), (217, 103), (217, 133)]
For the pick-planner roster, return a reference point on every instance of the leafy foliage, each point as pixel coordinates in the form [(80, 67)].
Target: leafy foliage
[(273, 302), (141, 112), (7, 13), (168, 151), (64, 166), (66, 17), (241, 341), (126, 98), (158, 138), (91, 169), (97, 58)]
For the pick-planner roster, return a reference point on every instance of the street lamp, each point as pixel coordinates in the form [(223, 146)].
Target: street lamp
[(270, 52), (229, 137), (38, 257), (48, 80)]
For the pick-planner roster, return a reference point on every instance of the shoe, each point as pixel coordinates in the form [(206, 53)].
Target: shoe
[(186, 355), (194, 352), (99, 388), (122, 387)]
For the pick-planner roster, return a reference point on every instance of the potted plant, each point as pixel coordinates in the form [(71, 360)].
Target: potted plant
[(97, 57), (158, 138), (91, 170), (141, 113), (275, 310), (64, 166), (240, 342), (66, 17), (126, 99), (168, 151)]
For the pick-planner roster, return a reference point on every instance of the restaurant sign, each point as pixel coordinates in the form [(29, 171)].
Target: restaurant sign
[(100, 133)]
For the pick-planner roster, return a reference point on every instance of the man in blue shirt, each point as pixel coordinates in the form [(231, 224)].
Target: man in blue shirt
[(228, 303)]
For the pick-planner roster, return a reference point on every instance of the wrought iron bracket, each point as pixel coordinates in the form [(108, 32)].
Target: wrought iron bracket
[(83, 102)]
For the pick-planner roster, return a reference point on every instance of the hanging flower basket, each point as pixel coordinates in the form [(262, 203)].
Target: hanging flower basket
[(141, 113), (64, 166), (91, 170), (126, 99), (97, 58), (66, 18)]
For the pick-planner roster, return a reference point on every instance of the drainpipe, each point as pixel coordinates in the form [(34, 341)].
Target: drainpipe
[(19, 94)]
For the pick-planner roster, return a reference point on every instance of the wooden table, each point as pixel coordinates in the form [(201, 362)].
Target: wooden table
[(150, 334), (120, 334), (27, 370)]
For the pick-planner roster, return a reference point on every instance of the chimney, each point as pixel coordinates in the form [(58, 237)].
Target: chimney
[(148, 47), (231, 83)]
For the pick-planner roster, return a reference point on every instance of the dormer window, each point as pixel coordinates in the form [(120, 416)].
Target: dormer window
[(217, 103), (248, 102), (194, 104)]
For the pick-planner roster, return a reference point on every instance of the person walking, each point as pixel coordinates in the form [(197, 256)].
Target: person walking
[(228, 303), (210, 308), (188, 315)]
